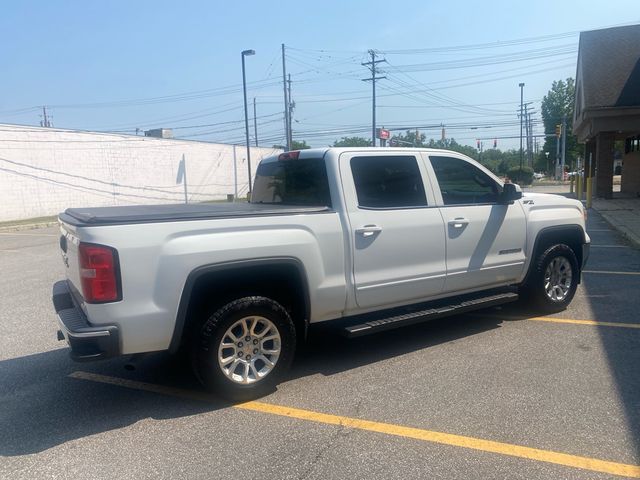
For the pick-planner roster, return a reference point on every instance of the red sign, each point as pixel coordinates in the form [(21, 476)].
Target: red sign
[(384, 134)]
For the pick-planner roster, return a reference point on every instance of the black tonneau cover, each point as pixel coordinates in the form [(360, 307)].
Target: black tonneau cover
[(177, 212)]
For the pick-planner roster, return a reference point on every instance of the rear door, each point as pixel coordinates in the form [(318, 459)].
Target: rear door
[(397, 233), (485, 239)]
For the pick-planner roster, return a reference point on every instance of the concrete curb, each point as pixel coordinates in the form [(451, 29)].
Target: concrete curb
[(623, 229), (27, 226)]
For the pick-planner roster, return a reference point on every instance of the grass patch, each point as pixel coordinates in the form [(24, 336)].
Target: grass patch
[(28, 221)]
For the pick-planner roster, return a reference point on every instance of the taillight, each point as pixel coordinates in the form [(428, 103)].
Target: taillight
[(293, 155), (99, 273)]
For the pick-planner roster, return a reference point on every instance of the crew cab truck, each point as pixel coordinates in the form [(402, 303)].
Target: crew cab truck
[(370, 238)]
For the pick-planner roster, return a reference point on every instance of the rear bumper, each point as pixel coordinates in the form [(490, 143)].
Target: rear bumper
[(87, 342)]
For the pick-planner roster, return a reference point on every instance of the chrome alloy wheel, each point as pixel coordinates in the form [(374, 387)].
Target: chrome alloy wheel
[(557, 279), (249, 350)]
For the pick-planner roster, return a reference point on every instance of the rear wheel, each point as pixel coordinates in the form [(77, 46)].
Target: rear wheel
[(244, 348), (553, 281)]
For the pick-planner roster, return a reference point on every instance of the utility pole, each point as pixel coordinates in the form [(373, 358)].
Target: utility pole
[(526, 127), (246, 116), (564, 142), (531, 140), (521, 85), (45, 122), (559, 174), (255, 122), (235, 175), (372, 66), (287, 121), (291, 106)]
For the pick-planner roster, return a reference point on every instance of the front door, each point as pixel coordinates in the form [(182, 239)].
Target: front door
[(485, 239)]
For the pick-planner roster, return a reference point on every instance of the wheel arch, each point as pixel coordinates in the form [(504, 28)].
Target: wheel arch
[(283, 279), (570, 235)]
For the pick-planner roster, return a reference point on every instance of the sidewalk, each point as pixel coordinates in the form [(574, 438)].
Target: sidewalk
[(623, 214)]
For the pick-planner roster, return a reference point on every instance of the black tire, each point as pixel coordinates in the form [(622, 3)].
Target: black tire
[(207, 344), (534, 293)]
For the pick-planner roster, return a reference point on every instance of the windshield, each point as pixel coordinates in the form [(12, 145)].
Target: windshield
[(292, 182)]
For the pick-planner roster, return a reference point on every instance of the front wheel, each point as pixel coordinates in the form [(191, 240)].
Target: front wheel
[(244, 348), (553, 280)]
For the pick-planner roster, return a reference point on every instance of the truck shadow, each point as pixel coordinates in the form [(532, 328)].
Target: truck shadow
[(41, 406)]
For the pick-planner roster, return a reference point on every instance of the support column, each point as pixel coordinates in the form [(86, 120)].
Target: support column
[(631, 174), (589, 162), (604, 165)]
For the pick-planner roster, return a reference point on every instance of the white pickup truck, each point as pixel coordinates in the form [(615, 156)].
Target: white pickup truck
[(368, 238)]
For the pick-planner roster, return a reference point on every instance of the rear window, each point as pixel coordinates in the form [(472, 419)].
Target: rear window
[(292, 182)]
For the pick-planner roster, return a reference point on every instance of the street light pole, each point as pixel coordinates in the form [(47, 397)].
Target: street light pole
[(521, 85), (246, 114)]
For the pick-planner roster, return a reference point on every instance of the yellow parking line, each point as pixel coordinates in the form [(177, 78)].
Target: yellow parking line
[(559, 320), (548, 456), (585, 322), (610, 272)]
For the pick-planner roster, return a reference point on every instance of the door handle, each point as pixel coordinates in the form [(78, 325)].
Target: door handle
[(458, 222), (368, 230)]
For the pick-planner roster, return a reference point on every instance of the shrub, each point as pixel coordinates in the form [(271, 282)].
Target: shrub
[(521, 177)]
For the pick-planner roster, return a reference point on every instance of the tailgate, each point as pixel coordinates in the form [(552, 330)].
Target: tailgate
[(69, 242)]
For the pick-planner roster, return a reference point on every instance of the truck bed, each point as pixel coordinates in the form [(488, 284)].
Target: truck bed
[(100, 216)]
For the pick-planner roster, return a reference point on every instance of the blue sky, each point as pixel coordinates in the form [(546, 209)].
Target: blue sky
[(120, 65)]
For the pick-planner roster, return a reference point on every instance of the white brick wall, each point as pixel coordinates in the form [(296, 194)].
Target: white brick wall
[(45, 170)]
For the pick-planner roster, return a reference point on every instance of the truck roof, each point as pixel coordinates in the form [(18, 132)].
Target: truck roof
[(321, 152)]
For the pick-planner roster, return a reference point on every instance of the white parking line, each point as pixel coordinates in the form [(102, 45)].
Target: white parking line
[(610, 272)]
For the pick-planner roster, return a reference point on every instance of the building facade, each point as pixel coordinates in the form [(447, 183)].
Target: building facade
[(45, 170), (607, 106)]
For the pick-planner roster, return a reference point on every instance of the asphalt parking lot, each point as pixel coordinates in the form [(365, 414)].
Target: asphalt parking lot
[(497, 394)]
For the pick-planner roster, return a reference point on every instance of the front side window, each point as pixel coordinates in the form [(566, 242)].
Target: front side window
[(292, 182), (462, 183), (388, 182)]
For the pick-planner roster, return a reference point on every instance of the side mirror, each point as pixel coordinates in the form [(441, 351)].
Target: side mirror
[(510, 193)]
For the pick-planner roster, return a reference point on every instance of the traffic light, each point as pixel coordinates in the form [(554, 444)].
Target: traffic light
[(558, 130)]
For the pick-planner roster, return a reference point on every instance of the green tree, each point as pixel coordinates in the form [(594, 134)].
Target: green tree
[(558, 102), (295, 145), (451, 144), (412, 138), (499, 161), (352, 142)]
